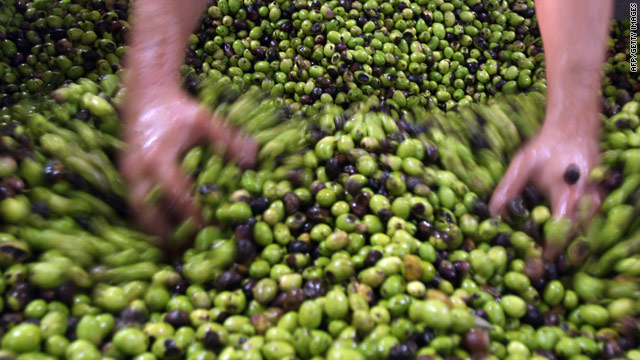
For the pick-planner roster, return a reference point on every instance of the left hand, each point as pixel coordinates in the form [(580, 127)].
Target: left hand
[(160, 124)]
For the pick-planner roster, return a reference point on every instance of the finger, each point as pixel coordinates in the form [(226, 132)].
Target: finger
[(147, 215), (511, 184), (178, 199), (138, 194), (597, 195), (562, 201), (534, 268), (247, 156), (574, 200), (553, 248), (588, 204), (237, 144), (130, 166), (154, 221)]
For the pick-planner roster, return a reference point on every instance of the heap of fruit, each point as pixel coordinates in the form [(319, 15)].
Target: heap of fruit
[(363, 233)]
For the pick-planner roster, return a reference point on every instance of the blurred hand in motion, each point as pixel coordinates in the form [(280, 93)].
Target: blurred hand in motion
[(558, 163), (162, 120), (559, 159), (160, 125)]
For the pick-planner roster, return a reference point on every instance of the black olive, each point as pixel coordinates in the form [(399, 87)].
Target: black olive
[(572, 174)]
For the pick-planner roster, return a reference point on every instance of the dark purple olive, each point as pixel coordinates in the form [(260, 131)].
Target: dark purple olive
[(229, 280), (314, 288), (477, 341), (572, 174), (177, 318)]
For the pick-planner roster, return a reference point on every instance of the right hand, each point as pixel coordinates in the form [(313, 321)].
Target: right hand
[(543, 162)]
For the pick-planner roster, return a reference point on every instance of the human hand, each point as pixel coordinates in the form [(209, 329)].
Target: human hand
[(160, 124), (557, 162)]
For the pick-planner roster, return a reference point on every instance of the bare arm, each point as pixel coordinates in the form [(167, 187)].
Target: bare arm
[(159, 38), (574, 34)]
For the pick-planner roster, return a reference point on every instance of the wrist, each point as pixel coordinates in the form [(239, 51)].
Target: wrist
[(158, 41), (149, 69), (574, 109), (572, 123)]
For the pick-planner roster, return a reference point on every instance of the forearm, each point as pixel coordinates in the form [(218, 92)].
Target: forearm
[(161, 29), (574, 34)]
